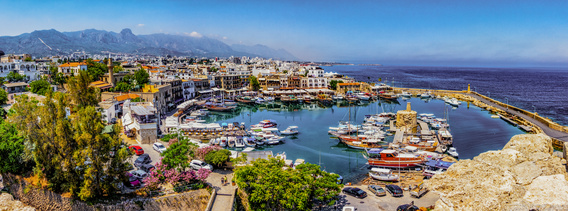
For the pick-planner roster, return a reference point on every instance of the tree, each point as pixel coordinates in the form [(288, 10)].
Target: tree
[(28, 59), (82, 94), (117, 69), (3, 97), (11, 149), (95, 70), (254, 83), (218, 157), (141, 76), (14, 77), (270, 187), (40, 87), (123, 87), (333, 84), (177, 155)]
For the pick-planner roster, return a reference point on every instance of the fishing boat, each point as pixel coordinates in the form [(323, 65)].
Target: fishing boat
[(383, 174), (291, 130), (433, 167), (391, 158), (453, 152)]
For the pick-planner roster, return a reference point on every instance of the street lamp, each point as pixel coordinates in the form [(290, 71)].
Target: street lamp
[(534, 111), (488, 94), (507, 99)]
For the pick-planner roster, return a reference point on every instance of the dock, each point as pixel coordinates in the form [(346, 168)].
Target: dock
[(510, 121), (392, 127), (398, 137), (423, 125)]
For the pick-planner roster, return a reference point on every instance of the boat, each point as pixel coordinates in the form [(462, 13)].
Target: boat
[(265, 124), (453, 102), (307, 98), (239, 143), (244, 99), (362, 96), (388, 96), (337, 97), (495, 116), (406, 94), (391, 158), (383, 174), (426, 95), (422, 144), (433, 167), (259, 100), (220, 108), (230, 103), (249, 141), (231, 142), (274, 140), (291, 130), (445, 137), (223, 141), (453, 152), (362, 144), (259, 141)]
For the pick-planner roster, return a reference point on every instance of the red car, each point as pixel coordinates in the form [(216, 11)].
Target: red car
[(137, 149)]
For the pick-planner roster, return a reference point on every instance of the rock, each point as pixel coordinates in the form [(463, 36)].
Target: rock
[(524, 175), (548, 190), (7, 202)]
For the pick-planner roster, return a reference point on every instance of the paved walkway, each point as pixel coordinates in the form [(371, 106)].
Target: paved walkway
[(549, 131), (225, 193)]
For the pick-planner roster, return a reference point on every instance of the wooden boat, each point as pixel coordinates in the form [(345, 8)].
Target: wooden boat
[(388, 96), (391, 158), (363, 144), (244, 99), (383, 174), (424, 145), (219, 108), (445, 137)]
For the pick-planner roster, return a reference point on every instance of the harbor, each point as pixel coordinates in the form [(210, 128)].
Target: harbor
[(472, 128)]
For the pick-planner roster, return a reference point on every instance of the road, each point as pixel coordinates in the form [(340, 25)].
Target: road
[(547, 130)]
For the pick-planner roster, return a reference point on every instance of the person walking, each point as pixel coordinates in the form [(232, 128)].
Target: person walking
[(222, 180), (226, 179)]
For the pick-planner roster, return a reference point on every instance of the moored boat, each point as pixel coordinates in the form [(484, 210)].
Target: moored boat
[(383, 174), (291, 130), (391, 158)]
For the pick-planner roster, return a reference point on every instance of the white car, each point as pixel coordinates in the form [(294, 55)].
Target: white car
[(159, 147), (139, 174), (197, 164)]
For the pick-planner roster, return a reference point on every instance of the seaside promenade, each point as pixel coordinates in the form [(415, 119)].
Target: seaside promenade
[(225, 192)]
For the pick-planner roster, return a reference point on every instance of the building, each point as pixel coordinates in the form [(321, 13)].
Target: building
[(188, 89), (72, 68), (311, 82), (140, 121), (344, 87), (15, 87), (176, 88), (159, 95), (28, 69)]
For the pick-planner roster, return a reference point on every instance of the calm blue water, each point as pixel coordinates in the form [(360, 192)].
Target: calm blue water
[(545, 89), (473, 129)]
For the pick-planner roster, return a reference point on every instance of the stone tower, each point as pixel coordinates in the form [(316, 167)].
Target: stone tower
[(110, 72), (407, 118)]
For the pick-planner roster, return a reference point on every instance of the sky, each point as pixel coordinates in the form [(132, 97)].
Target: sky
[(422, 32)]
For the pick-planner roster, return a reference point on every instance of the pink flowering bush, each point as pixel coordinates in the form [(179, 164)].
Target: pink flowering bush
[(162, 175), (202, 174), (201, 152)]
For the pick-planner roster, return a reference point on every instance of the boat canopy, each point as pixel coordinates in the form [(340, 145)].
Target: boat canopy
[(411, 148), (439, 164), (375, 151)]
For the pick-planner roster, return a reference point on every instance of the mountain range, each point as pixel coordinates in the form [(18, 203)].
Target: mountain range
[(92, 41)]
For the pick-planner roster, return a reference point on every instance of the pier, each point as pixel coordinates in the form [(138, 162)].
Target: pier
[(556, 131)]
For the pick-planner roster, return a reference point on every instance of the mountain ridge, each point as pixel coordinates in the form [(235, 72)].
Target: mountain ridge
[(93, 41)]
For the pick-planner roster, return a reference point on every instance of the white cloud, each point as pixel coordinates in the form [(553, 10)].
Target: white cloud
[(140, 25), (194, 34)]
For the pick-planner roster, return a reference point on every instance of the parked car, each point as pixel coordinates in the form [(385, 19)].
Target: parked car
[(143, 159), (133, 181), (394, 190), (139, 174), (377, 190), (407, 207), (349, 208), (159, 147), (197, 164), (355, 192), (136, 149), (146, 167)]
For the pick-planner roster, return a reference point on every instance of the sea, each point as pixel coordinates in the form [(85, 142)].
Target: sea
[(473, 128)]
